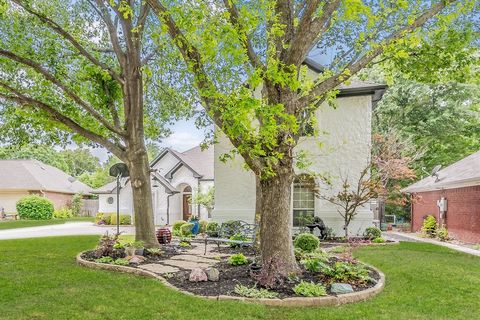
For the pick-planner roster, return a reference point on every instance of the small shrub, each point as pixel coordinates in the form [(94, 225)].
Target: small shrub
[(177, 224), (106, 245), (253, 292), (186, 229), (237, 237), (309, 289), (212, 229), (307, 242), (372, 233), (230, 227), (378, 240), (154, 251), (63, 213), (237, 259), (429, 226), (125, 219), (442, 233), (118, 246), (35, 208), (345, 272), (312, 265), (121, 262), (103, 218), (184, 244), (77, 203), (105, 259), (203, 226)]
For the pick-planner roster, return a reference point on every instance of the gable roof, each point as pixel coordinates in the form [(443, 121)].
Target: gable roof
[(463, 173), (36, 175), (200, 162)]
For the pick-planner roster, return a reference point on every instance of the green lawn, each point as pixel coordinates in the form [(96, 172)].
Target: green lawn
[(14, 224), (40, 280)]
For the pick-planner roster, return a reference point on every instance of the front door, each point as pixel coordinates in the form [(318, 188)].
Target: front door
[(187, 208)]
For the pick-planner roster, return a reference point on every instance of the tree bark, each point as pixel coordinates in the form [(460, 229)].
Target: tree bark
[(139, 167), (276, 223)]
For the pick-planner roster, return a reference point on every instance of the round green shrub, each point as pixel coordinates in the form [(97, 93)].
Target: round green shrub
[(307, 242), (177, 224), (378, 240), (35, 208), (186, 229), (372, 233), (212, 229)]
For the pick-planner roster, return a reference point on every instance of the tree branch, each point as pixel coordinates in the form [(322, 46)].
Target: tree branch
[(56, 116), (67, 36), (234, 16), (354, 67), (309, 30), (85, 106)]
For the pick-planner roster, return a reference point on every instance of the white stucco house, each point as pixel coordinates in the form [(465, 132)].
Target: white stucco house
[(343, 148), (176, 178)]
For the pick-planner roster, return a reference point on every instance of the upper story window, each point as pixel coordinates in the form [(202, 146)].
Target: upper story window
[(303, 199)]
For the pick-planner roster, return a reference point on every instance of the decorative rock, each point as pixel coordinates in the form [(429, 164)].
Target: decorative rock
[(197, 275), (135, 259), (213, 274), (341, 288)]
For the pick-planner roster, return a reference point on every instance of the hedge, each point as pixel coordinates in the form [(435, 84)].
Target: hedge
[(35, 208)]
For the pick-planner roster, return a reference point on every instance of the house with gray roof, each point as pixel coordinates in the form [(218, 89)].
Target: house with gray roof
[(176, 178), (19, 178), (452, 196)]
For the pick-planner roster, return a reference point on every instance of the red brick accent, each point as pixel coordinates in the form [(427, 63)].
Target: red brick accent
[(463, 211), (60, 200)]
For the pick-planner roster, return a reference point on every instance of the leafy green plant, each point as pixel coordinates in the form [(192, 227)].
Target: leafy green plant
[(118, 246), (35, 208), (237, 259), (237, 237), (309, 289), (212, 229), (307, 242), (176, 226), (312, 265), (121, 262), (77, 203), (203, 226), (372, 233), (184, 244), (125, 219), (429, 226), (106, 259), (442, 233), (186, 229), (103, 218), (345, 271), (154, 251), (63, 213), (379, 240), (253, 292)]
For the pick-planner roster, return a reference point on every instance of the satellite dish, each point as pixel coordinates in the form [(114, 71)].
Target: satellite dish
[(435, 170), (119, 169)]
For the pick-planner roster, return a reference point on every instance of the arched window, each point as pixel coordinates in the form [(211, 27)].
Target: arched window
[(303, 199)]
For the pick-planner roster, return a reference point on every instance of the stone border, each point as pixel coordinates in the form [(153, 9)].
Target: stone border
[(287, 302)]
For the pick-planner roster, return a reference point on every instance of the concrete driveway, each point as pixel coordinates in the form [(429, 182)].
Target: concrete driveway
[(67, 229)]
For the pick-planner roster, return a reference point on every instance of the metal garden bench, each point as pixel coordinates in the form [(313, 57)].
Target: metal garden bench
[(246, 231)]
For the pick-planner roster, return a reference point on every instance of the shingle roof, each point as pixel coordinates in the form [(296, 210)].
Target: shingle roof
[(202, 161), (36, 175), (463, 173)]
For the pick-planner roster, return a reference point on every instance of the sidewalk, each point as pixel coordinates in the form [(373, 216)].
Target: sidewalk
[(414, 237), (66, 229)]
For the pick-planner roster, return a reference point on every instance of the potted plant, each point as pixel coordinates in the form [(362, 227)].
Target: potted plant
[(134, 248), (196, 225)]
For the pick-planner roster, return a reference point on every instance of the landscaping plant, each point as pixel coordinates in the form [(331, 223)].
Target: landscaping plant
[(429, 226), (442, 233), (105, 259), (312, 265), (309, 289), (212, 229), (237, 259), (186, 229), (379, 240), (237, 237), (106, 245), (372, 233), (121, 262), (253, 292), (306, 242), (62, 213), (35, 208)]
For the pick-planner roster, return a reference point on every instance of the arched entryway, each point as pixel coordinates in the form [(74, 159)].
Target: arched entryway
[(187, 202)]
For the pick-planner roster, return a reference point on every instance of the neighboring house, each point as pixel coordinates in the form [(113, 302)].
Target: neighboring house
[(176, 178), (459, 186), (19, 178), (342, 148)]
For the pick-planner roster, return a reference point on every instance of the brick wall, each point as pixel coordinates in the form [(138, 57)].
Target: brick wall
[(59, 200), (463, 211)]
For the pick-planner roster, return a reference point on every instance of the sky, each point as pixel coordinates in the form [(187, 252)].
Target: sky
[(185, 135)]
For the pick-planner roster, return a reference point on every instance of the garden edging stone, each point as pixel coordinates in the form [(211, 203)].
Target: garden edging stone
[(287, 302)]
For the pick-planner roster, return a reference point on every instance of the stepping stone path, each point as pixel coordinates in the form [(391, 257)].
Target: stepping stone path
[(190, 260)]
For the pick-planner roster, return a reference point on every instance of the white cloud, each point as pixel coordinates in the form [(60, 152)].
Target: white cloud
[(182, 141)]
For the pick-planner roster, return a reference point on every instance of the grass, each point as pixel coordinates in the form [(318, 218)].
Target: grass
[(14, 224), (40, 280)]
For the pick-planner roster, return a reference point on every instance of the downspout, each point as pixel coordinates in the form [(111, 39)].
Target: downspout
[(168, 207), (198, 191)]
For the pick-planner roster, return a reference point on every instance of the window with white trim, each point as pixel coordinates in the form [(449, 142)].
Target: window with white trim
[(303, 199)]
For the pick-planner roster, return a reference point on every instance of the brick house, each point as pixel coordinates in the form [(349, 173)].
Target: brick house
[(19, 178), (459, 187)]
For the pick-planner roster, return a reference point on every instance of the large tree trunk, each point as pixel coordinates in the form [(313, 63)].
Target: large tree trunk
[(142, 199), (275, 223)]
